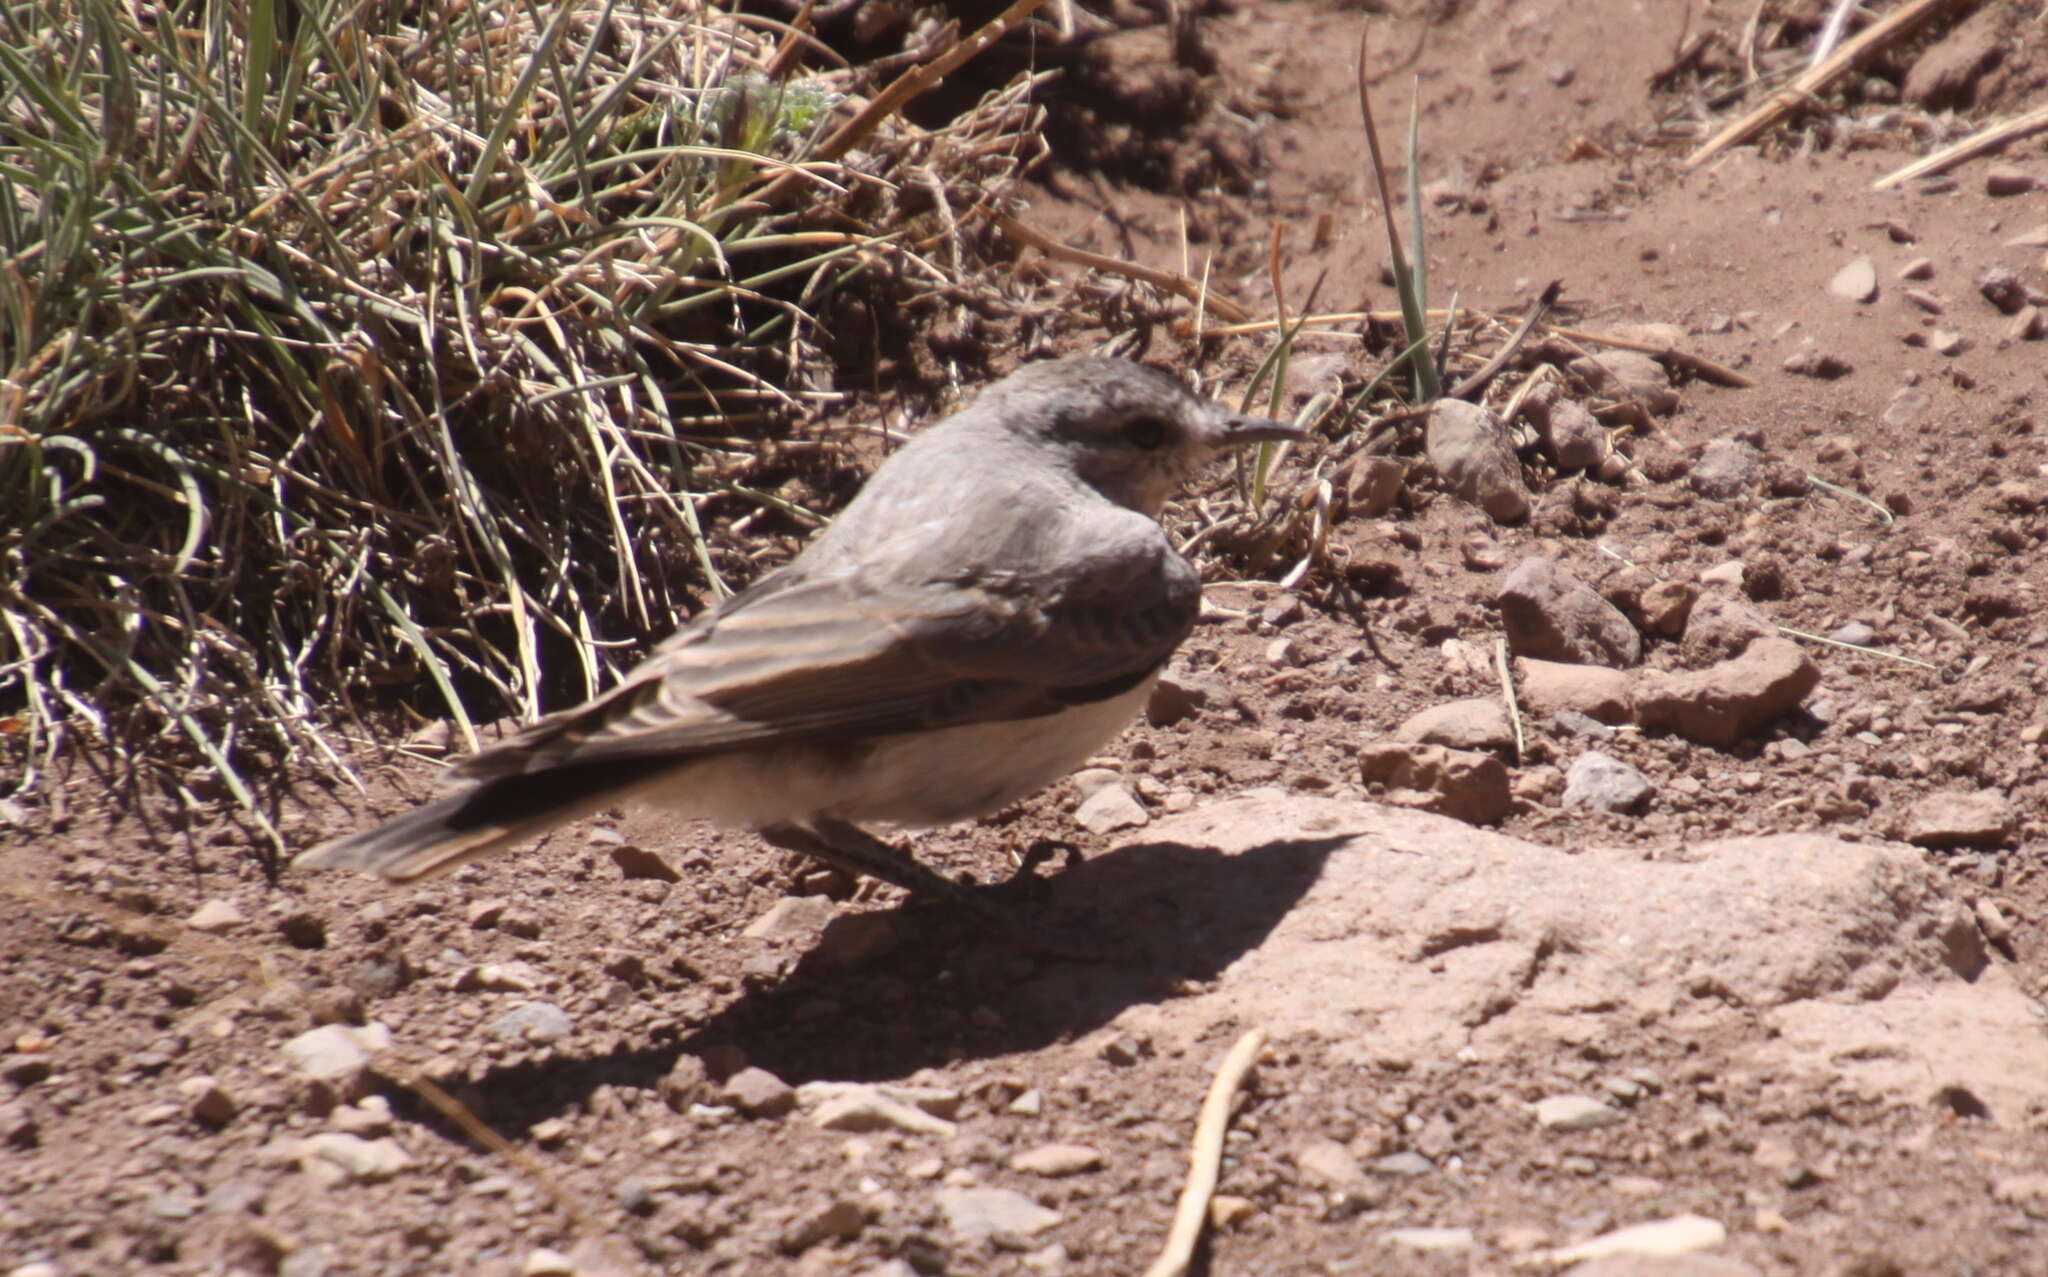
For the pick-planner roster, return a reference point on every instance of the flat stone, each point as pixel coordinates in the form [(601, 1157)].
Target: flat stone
[(1576, 1113), (1679, 1235), (515, 976), (532, 1022), (337, 1054), (1547, 688), (1057, 1160), (214, 917), (1324, 1161), (1694, 1265), (1111, 808), (986, 1212), (1983, 818), (1607, 784), (542, 1261), (639, 863), (334, 1159), (1477, 724), (1855, 282), (1406, 1164), (863, 1109), (793, 920), (1428, 1239)]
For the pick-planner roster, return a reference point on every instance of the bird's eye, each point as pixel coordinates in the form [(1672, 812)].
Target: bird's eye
[(1147, 433)]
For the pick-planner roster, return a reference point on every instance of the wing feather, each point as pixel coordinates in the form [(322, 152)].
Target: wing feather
[(842, 656)]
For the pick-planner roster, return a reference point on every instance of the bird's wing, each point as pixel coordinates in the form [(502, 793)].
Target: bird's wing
[(842, 656)]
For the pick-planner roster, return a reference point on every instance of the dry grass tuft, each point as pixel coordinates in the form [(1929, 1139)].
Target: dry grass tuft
[(344, 346)]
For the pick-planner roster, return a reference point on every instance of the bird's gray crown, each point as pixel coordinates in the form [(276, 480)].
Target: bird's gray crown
[(1129, 431)]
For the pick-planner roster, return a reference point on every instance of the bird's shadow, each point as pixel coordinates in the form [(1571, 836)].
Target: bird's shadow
[(1172, 915)]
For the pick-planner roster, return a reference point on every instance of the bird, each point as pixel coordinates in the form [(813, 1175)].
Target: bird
[(989, 610)]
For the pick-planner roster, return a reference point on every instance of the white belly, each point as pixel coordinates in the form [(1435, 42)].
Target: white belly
[(912, 781)]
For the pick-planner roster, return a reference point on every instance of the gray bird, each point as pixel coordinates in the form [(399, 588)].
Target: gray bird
[(990, 610)]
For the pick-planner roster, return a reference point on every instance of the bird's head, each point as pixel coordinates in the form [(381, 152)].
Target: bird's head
[(1131, 432)]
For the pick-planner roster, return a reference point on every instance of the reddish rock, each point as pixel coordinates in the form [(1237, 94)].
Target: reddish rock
[(1723, 703), (1545, 687), (1457, 783)]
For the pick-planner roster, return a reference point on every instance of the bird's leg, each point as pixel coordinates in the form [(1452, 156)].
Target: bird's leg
[(851, 848)]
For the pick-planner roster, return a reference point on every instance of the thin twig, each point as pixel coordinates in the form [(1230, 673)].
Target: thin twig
[(1949, 156), (1857, 647), (1801, 91), (1841, 491), (1507, 694), (1491, 368), (1206, 1157), (1167, 281)]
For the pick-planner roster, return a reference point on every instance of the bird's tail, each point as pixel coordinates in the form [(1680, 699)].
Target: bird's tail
[(480, 820)]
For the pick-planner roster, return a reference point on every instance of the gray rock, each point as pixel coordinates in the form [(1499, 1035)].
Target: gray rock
[(1607, 784), (1324, 1161), (1574, 436), (2003, 288), (1855, 632), (1570, 722), (1856, 282), (1727, 468), (533, 1022), (1470, 449), (1403, 1165), (1553, 616), (1111, 808), (1575, 1113), (986, 1212)]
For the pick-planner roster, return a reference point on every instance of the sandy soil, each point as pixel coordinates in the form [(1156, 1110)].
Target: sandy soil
[(149, 1120)]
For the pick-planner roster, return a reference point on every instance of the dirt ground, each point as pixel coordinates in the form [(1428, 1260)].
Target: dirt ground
[(150, 1120)]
